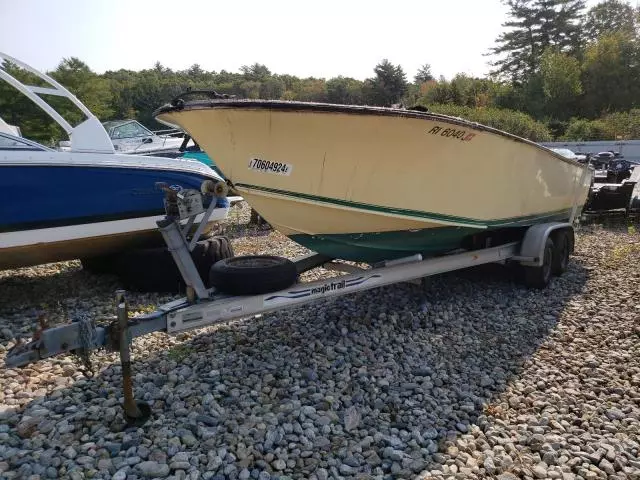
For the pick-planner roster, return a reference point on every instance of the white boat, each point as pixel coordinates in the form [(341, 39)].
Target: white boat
[(85, 202), (131, 137), (367, 183)]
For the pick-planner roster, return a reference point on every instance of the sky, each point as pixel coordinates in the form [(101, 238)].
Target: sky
[(323, 38)]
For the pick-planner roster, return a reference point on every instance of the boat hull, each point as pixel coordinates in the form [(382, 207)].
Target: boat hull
[(406, 181), (87, 206)]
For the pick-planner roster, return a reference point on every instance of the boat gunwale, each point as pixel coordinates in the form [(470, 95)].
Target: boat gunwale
[(297, 106), (151, 163)]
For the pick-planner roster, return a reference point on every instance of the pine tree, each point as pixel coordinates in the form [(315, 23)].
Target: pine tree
[(388, 86), (536, 25), (424, 74)]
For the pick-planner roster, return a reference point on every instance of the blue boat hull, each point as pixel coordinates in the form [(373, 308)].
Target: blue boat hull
[(49, 196)]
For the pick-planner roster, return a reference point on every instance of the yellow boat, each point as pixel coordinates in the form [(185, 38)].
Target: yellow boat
[(367, 183)]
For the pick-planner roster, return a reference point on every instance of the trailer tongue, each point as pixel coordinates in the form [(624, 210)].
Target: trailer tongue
[(251, 285)]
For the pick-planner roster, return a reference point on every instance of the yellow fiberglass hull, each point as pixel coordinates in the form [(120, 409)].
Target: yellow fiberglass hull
[(345, 179)]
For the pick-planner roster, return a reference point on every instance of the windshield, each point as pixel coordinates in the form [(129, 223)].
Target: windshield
[(130, 130), (565, 152), (8, 142)]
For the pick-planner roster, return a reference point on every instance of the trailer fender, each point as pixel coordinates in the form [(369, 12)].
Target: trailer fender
[(532, 246)]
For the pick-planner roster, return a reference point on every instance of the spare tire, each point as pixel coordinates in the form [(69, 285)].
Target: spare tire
[(252, 274)]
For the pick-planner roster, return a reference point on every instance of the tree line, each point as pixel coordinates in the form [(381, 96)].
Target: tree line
[(559, 72)]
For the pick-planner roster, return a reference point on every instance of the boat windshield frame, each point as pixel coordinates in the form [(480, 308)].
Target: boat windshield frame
[(87, 136), (24, 144), (112, 125)]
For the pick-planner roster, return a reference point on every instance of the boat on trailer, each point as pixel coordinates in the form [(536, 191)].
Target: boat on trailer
[(246, 286), (86, 202), (367, 183), (329, 184)]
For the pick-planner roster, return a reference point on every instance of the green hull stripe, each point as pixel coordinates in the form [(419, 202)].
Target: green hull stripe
[(502, 222), (373, 247)]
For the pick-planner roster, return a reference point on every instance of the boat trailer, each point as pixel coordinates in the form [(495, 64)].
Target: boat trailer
[(202, 307)]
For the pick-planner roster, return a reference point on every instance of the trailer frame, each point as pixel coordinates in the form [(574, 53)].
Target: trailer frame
[(202, 307)]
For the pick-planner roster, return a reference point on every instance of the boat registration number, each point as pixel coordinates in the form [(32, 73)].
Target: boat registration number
[(279, 168), (461, 135)]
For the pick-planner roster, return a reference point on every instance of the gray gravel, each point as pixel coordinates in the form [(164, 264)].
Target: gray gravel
[(479, 378)]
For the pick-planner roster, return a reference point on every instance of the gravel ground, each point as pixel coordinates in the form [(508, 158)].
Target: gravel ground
[(480, 378)]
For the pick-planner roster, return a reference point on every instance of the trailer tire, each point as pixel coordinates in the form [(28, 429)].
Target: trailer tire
[(102, 264), (539, 277), (154, 270), (562, 250), (252, 274)]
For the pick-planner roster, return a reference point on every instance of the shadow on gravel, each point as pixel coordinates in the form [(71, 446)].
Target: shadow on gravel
[(394, 368)]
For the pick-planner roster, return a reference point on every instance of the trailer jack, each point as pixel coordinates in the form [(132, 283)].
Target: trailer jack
[(135, 413)]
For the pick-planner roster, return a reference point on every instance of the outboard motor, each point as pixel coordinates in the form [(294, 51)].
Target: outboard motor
[(618, 170)]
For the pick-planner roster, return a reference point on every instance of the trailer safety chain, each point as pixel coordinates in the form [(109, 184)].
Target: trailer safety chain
[(88, 339)]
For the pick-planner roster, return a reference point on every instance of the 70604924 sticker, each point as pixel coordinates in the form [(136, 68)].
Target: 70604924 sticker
[(267, 166)]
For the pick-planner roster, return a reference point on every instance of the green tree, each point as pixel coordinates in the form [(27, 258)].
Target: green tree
[(196, 73), (608, 17), (517, 43), (463, 90), (311, 90), (271, 88), (250, 89), (388, 86), (623, 125), (611, 69), (534, 26), (17, 109), (586, 130), (561, 85), (256, 71), (344, 90), (560, 24), (90, 88), (424, 74)]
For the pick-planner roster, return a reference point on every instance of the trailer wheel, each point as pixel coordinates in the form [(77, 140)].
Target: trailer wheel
[(98, 265), (561, 252), (252, 274), (539, 277)]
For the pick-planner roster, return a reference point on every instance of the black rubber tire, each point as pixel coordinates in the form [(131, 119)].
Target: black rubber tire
[(98, 265), (562, 250), (252, 274), (539, 277), (153, 269)]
